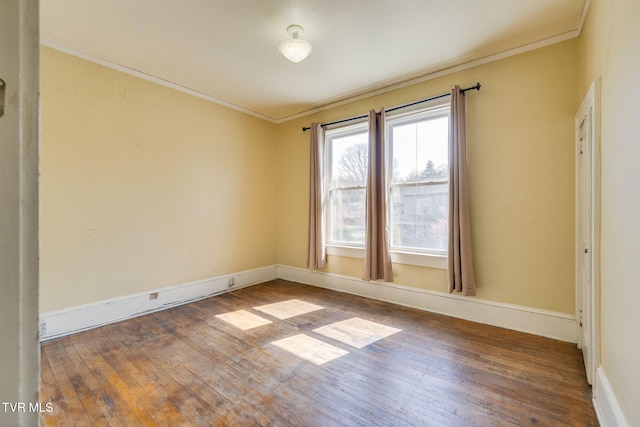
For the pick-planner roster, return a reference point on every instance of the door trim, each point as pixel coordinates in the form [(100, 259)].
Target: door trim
[(19, 162), (591, 103)]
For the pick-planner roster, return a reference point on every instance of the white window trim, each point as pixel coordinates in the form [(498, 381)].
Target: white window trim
[(422, 260), (351, 129), (404, 255), (397, 257), (345, 251)]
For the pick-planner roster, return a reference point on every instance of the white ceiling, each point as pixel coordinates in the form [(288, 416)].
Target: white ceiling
[(227, 50)]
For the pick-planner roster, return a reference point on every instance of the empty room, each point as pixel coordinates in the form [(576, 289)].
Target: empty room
[(300, 213)]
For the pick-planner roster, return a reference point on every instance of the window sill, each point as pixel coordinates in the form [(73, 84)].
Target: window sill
[(348, 251), (423, 260), (409, 258)]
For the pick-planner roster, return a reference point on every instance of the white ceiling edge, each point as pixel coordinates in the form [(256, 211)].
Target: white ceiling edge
[(150, 78), (436, 74), (372, 91)]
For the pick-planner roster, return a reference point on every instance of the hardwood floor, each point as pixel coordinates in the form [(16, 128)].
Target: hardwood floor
[(189, 366)]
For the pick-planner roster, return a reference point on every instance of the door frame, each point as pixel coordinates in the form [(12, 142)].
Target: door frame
[(588, 303), (19, 162)]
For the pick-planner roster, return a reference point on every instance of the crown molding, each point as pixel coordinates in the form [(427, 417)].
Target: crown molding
[(435, 74), (338, 101), (583, 17), (151, 78)]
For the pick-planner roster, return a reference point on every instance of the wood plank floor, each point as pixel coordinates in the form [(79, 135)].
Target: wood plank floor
[(186, 366)]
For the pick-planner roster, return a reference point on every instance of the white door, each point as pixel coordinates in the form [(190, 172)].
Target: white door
[(584, 264), (587, 232), (19, 355)]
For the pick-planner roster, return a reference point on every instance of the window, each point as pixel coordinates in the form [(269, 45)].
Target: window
[(417, 187), (418, 180), (345, 181)]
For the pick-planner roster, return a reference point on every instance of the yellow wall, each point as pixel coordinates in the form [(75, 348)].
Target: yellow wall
[(609, 48), (521, 169), (144, 187)]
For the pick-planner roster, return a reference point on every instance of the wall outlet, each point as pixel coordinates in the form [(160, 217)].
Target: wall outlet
[(231, 282)]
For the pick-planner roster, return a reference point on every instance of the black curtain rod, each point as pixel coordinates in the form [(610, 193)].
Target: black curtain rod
[(474, 87)]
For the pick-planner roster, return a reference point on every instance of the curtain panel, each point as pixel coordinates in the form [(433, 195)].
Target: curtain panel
[(460, 272), (316, 254), (377, 257)]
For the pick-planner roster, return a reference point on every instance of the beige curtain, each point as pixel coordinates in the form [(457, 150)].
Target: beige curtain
[(315, 252), (461, 277), (377, 258)]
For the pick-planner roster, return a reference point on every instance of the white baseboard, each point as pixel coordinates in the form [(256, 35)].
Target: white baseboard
[(72, 320), (605, 403), (544, 323)]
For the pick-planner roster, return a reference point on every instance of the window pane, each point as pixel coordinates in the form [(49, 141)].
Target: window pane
[(420, 150), (349, 160), (419, 216), (347, 214), (419, 205)]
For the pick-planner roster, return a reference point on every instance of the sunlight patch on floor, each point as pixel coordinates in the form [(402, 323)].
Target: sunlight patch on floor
[(310, 349), (286, 309), (242, 319), (356, 332)]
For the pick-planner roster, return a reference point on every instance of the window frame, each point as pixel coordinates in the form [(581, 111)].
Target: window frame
[(432, 112), (399, 255), (331, 134)]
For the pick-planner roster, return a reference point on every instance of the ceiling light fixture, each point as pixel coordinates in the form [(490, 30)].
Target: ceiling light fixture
[(295, 49)]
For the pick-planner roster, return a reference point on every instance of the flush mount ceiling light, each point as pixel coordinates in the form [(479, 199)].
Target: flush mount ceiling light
[(295, 49)]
